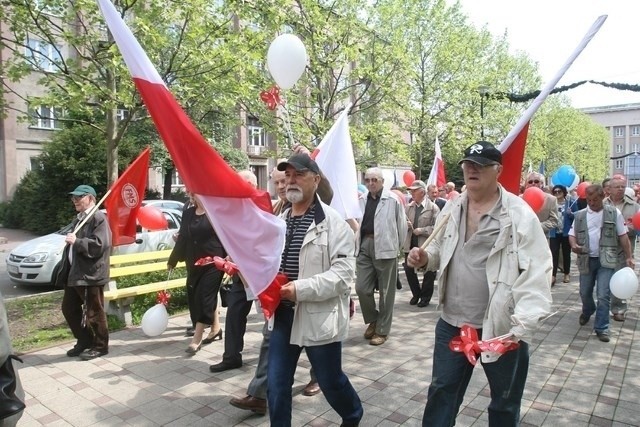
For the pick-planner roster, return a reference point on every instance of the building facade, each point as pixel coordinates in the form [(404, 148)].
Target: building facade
[(623, 124)]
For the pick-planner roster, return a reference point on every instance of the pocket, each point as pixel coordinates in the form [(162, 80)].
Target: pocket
[(323, 319)]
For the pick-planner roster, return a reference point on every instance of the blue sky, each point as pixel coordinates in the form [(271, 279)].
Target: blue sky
[(549, 30)]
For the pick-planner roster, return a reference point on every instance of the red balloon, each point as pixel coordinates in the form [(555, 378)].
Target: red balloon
[(152, 218), (635, 220), (581, 189), (400, 197), (408, 177), (534, 197)]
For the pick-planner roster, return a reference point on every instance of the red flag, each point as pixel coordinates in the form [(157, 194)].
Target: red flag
[(513, 146), (125, 200), (240, 214), (437, 176)]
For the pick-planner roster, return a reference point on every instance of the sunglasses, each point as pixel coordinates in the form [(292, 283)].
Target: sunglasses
[(557, 192), (534, 181), (76, 198), (371, 180)]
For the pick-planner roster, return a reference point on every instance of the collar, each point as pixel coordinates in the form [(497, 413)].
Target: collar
[(377, 195)]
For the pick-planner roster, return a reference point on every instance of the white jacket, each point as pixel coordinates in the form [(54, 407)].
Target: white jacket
[(390, 225), (518, 269), (327, 265)]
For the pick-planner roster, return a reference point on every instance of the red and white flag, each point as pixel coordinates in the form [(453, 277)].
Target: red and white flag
[(513, 146), (241, 215), (437, 176), (125, 198), (334, 155)]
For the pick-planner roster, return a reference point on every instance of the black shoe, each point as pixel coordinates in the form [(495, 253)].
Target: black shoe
[(211, 338), (77, 350), (92, 354), (414, 300), (224, 366), (583, 320), (423, 303), (603, 336), (190, 331), (398, 285)]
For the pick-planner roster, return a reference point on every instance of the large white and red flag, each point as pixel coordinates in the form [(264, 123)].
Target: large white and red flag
[(513, 146), (334, 155), (241, 215), (437, 176), (125, 198)]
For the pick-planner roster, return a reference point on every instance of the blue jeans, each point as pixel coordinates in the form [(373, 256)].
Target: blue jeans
[(451, 375), (599, 277), (326, 361)]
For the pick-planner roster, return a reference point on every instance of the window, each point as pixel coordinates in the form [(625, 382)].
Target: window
[(175, 178), (34, 163), (255, 133), (618, 148), (44, 117), (619, 131), (42, 55), (122, 114), (619, 164), (635, 130), (634, 147)]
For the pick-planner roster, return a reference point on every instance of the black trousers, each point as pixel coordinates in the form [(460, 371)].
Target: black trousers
[(424, 292), (238, 309), (556, 244), (95, 334)]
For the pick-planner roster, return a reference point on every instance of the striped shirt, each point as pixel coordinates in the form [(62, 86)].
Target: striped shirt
[(297, 227)]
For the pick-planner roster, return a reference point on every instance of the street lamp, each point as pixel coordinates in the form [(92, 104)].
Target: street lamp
[(484, 93)]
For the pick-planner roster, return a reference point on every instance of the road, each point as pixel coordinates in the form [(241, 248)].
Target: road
[(9, 239)]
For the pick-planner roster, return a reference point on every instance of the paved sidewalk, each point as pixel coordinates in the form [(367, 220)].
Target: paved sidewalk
[(574, 379)]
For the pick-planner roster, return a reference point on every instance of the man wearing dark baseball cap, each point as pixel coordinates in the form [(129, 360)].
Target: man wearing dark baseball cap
[(300, 162), (494, 267), (482, 153), (82, 190)]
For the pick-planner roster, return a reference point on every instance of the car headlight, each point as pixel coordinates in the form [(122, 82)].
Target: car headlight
[(37, 257)]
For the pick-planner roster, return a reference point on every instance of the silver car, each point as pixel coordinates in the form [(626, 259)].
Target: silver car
[(37, 261)]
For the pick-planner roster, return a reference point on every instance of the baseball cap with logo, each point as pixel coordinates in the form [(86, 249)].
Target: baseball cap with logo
[(483, 153), (417, 184), (83, 189)]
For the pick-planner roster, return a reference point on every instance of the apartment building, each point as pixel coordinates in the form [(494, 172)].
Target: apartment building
[(623, 124)]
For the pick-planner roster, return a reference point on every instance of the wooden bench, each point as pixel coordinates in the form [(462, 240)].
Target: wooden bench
[(120, 299)]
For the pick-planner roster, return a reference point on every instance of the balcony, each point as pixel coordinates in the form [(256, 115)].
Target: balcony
[(255, 150)]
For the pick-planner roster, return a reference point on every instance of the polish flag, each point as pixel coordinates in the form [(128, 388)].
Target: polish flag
[(437, 176), (125, 198), (513, 146), (240, 214), (334, 156)]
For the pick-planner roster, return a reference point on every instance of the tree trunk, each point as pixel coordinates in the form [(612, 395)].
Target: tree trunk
[(166, 188)]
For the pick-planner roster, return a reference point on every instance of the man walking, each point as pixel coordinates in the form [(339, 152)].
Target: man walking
[(318, 259), (548, 214), (84, 272), (382, 234), (421, 217), (628, 208), (598, 235), (494, 275)]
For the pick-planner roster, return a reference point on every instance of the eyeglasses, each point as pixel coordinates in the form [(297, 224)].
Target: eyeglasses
[(473, 165), (534, 181), (557, 192), (77, 198), (371, 180)]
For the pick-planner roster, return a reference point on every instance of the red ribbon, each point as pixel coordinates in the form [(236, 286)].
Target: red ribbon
[(220, 263), (271, 97), (469, 344), (163, 298)]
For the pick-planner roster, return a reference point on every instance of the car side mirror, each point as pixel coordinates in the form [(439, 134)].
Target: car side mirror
[(139, 241)]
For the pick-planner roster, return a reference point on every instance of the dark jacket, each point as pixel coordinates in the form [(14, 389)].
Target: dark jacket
[(195, 242), (90, 255)]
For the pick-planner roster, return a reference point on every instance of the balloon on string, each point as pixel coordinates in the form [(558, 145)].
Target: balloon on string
[(624, 283), (152, 218), (581, 189), (155, 320), (534, 198), (635, 220), (408, 177), (286, 60), (362, 188), (565, 175)]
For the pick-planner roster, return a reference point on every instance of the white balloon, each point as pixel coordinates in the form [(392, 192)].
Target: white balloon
[(624, 283), (286, 60), (155, 320)]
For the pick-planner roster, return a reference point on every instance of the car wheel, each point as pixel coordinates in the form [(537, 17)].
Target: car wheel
[(56, 270)]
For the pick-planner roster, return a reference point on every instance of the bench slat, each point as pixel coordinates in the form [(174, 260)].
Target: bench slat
[(141, 256), (144, 289), (128, 270)]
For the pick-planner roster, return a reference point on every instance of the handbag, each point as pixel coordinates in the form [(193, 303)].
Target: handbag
[(10, 404)]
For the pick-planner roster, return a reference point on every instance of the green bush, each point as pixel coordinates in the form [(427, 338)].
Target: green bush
[(4, 207)]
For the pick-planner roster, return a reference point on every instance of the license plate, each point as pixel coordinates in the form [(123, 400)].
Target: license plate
[(12, 269)]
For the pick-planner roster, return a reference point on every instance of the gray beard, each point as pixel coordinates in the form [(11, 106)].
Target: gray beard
[(294, 196)]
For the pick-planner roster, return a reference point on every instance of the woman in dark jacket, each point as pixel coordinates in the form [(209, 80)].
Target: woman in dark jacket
[(197, 239)]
